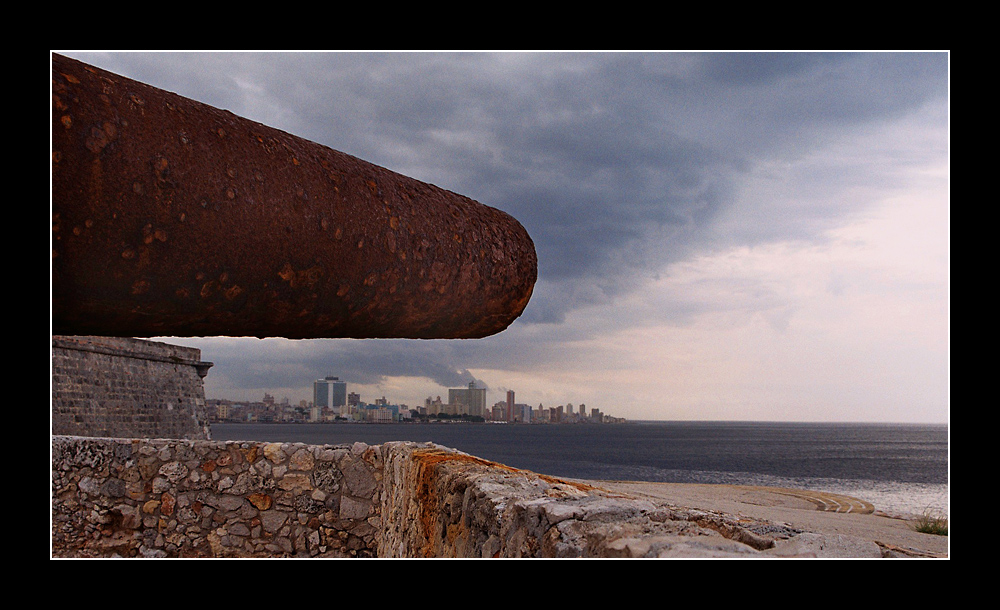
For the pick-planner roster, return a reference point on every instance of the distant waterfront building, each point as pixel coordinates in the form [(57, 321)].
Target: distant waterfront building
[(330, 392), (433, 407), (380, 413), (473, 398), (510, 406)]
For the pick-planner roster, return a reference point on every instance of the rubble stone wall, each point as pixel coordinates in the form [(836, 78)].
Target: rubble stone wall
[(184, 498)]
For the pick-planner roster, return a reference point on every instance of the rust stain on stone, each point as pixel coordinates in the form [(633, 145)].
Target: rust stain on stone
[(577, 485), (261, 501), (428, 497), (168, 188), (427, 503), (251, 454), (167, 504), (433, 457)]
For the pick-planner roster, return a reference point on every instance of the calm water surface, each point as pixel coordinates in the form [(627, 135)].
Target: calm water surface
[(897, 467)]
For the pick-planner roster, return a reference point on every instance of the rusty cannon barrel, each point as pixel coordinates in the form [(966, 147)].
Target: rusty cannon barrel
[(174, 218)]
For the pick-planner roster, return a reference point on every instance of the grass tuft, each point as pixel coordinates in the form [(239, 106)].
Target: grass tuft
[(930, 523)]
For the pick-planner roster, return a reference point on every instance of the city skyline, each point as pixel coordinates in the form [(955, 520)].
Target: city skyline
[(720, 236), (334, 401), (348, 390)]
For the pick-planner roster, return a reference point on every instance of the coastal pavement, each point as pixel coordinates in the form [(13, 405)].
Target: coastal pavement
[(832, 516)]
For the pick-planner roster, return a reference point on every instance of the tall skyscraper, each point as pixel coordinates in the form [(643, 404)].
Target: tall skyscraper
[(473, 398), (510, 405), (330, 392)]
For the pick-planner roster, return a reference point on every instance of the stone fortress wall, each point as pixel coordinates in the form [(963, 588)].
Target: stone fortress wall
[(136, 474), (121, 387)]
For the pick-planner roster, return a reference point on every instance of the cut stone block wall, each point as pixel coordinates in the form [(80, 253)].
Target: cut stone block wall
[(125, 388)]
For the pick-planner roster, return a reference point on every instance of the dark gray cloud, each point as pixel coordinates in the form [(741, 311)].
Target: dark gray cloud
[(254, 363), (618, 164)]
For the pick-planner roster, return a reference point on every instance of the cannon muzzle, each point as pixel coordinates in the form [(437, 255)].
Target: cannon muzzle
[(174, 218)]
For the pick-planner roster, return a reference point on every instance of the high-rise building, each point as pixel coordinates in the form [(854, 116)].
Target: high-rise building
[(330, 392), (473, 398), (510, 405)]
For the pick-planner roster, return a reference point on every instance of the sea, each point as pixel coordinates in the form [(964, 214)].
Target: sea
[(899, 468)]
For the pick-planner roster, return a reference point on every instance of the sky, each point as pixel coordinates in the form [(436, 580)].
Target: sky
[(721, 236)]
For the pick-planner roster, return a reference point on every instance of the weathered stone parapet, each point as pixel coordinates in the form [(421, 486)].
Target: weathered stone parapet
[(121, 387), (200, 498), (446, 503)]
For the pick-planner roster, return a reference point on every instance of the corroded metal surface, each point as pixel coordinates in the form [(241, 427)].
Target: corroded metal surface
[(174, 218)]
